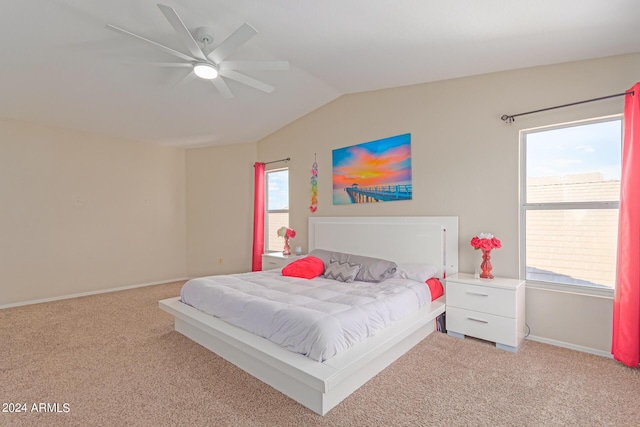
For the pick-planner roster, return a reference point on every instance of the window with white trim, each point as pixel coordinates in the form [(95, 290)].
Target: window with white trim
[(570, 195), (277, 206)]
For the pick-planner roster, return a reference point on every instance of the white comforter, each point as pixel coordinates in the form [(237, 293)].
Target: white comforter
[(318, 318)]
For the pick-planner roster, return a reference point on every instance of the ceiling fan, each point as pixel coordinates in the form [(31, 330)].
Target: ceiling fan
[(208, 62)]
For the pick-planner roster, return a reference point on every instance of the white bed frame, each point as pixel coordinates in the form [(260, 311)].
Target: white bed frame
[(321, 386)]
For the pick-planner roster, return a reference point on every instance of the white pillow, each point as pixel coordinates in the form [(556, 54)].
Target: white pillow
[(418, 272)]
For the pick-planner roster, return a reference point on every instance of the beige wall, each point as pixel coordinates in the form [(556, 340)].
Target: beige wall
[(465, 162), (83, 213), (220, 209)]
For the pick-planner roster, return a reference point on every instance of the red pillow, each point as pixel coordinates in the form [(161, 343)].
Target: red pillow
[(436, 288), (306, 268)]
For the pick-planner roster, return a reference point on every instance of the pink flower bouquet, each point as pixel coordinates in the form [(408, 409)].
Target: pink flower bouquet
[(289, 233), (486, 242)]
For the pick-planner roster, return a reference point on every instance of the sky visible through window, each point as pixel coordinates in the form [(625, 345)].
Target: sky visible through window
[(574, 150), (278, 190)]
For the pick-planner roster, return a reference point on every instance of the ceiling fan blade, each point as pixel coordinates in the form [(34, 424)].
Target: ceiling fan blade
[(159, 64), (222, 88), (156, 45), (189, 77), (255, 65), (170, 64), (183, 32), (249, 81), (231, 43)]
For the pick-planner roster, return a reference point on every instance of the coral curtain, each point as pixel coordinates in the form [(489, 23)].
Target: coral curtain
[(258, 217), (625, 345)]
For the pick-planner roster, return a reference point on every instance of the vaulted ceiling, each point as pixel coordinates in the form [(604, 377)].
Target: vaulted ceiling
[(61, 66)]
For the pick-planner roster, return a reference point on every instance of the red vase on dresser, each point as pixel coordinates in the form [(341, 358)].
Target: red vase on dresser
[(486, 265), (287, 249)]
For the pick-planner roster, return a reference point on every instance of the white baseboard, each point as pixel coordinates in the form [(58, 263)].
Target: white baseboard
[(84, 294), (571, 346)]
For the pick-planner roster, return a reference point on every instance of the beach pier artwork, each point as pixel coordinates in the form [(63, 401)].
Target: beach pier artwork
[(376, 171)]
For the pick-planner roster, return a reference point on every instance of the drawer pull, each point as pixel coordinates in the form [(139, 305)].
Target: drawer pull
[(478, 320), (478, 294)]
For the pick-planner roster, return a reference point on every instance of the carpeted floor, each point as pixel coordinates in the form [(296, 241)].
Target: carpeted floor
[(114, 360)]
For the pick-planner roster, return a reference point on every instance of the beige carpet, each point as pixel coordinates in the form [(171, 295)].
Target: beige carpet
[(116, 361)]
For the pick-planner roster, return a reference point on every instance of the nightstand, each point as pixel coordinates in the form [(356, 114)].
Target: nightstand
[(274, 260), (489, 309)]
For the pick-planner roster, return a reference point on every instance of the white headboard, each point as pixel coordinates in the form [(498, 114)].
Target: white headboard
[(422, 239)]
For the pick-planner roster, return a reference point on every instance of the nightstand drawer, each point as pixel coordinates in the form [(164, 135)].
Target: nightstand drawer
[(272, 263), (484, 326), (275, 260), (500, 302)]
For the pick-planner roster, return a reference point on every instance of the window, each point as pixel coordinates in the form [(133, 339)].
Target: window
[(570, 191), (277, 216)]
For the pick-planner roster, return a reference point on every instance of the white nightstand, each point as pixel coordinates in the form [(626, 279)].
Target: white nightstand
[(489, 309), (274, 260)]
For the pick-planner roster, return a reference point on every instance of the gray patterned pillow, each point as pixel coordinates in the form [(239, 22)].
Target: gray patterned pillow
[(342, 271), (371, 269)]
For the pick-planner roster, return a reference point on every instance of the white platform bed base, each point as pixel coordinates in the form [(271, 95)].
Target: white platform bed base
[(318, 386), (321, 386)]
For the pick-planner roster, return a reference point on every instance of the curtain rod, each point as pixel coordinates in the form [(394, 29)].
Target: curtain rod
[(276, 161), (511, 118)]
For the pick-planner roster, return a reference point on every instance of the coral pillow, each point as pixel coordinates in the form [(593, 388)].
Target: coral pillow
[(306, 268), (436, 288)]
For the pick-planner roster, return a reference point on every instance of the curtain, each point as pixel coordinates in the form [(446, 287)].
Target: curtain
[(625, 345), (258, 217)]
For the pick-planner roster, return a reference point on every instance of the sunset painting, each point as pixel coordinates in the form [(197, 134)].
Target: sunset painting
[(376, 171)]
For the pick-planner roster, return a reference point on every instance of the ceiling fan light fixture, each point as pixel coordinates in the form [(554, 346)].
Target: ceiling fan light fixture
[(205, 71)]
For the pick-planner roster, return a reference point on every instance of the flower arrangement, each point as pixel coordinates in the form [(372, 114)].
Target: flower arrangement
[(289, 233), (486, 242)]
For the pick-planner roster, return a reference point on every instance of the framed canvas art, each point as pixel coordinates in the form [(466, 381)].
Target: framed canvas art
[(376, 171)]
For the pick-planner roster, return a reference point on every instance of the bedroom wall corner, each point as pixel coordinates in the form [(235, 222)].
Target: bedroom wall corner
[(85, 213), (219, 209)]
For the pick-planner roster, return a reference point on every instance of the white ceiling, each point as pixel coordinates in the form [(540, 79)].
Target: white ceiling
[(61, 66)]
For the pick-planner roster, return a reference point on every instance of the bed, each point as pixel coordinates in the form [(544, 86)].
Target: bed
[(317, 385)]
